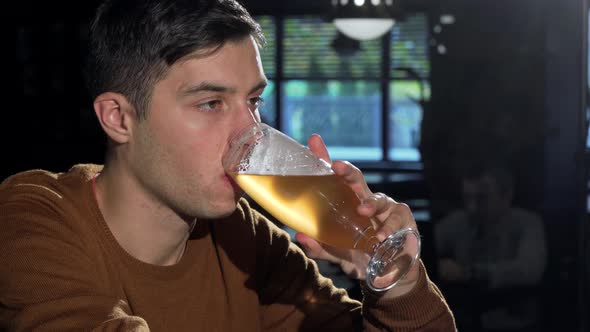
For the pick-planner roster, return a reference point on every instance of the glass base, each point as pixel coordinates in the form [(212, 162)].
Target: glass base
[(393, 259)]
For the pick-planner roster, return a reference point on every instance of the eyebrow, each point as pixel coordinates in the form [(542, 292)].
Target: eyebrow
[(261, 85), (212, 87)]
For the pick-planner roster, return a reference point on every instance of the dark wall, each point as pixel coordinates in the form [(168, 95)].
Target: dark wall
[(51, 124), (565, 188), (512, 84), (487, 95)]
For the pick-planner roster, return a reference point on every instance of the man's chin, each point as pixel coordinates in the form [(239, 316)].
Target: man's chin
[(223, 208), (225, 211)]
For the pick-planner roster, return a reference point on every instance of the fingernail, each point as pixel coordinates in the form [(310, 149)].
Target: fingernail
[(367, 204)]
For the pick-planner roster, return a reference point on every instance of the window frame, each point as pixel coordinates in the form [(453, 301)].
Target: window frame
[(385, 80)]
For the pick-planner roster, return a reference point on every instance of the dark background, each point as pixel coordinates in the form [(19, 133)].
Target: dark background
[(535, 50)]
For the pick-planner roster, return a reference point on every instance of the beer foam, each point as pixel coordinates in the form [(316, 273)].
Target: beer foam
[(278, 154)]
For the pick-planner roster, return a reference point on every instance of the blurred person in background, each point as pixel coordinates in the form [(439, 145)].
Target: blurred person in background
[(491, 255)]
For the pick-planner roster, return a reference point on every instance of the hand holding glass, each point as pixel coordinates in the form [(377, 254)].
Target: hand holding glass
[(303, 192)]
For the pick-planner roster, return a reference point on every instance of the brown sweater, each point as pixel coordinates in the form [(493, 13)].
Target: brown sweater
[(61, 269)]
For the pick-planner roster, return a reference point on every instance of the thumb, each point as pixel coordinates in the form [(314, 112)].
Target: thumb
[(317, 146), (313, 249)]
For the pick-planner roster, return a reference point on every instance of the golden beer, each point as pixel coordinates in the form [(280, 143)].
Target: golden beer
[(311, 199), (321, 206)]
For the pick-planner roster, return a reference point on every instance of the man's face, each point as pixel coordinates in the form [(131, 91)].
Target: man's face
[(177, 150), (483, 199)]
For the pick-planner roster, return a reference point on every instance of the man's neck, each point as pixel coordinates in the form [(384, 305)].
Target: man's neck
[(146, 228)]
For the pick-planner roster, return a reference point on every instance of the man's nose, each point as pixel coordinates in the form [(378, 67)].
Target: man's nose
[(243, 119), (245, 116)]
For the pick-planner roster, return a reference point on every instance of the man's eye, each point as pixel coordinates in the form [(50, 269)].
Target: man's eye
[(256, 101), (212, 105)]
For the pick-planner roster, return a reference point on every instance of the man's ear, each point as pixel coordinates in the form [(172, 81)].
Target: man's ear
[(115, 115)]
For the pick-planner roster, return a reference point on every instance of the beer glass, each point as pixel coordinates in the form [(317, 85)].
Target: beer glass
[(303, 192)]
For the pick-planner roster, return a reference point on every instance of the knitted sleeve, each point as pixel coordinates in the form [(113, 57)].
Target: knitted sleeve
[(296, 297), (422, 309)]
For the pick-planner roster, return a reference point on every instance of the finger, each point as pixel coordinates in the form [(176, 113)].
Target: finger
[(377, 205), (400, 215), (317, 146), (313, 249), (389, 215), (353, 178), (352, 262)]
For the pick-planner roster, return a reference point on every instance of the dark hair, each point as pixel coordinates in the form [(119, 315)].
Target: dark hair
[(133, 43)]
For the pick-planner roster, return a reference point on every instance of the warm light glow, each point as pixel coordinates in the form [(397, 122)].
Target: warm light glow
[(363, 28), (375, 2), (359, 3)]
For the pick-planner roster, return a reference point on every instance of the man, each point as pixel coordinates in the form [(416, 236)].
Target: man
[(158, 238), (491, 249)]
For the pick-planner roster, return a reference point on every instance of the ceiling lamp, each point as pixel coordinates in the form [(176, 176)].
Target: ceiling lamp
[(365, 19)]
